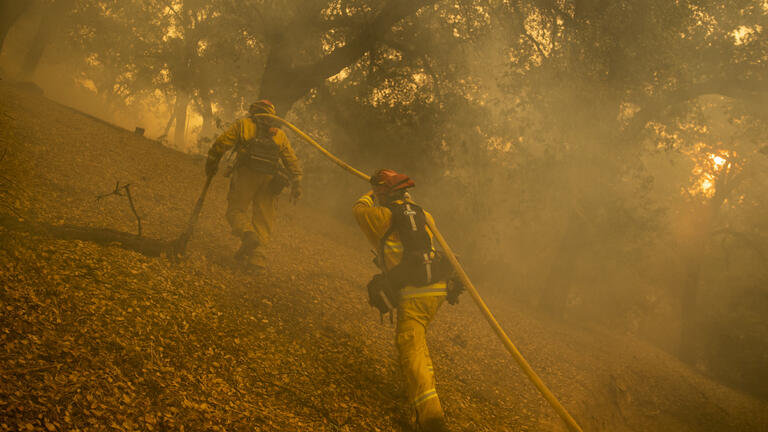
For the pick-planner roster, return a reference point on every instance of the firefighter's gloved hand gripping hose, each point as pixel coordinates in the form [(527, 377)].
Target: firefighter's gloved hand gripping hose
[(543, 389)]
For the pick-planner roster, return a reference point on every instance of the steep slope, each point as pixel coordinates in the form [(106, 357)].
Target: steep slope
[(98, 337)]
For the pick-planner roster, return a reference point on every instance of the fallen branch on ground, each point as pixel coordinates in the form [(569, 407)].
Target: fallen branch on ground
[(103, 236)]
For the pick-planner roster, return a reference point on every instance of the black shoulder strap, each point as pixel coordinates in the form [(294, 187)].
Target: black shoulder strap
[(392, 228), (409, 220)]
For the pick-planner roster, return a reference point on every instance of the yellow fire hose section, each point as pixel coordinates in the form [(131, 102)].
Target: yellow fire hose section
[(543, 389)]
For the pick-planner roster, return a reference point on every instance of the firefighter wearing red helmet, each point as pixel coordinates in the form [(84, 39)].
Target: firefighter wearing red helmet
[(412, 282), (264, 163)]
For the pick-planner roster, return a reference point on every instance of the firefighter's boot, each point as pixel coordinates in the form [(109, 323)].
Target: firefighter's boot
[(249, 242), (255, 261), (435, 425)]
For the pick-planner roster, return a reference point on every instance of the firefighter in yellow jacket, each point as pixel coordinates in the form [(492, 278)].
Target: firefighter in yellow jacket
[(264, 164), (393, 224)]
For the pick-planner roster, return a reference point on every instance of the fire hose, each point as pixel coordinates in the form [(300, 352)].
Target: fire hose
[(516, 355)]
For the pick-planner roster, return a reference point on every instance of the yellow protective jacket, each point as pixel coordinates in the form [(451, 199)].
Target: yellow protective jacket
[(245, 129), (374, 221)]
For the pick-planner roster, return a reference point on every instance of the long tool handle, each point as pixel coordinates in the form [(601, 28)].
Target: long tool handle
[(199, 204), (543, 389), (180, 245)]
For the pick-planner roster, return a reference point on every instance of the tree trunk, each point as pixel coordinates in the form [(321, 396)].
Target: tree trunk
[(725, 182), (206, 110), (49, 23), (184, 77), (554, 295), (10, 12), (277, 81), (689, 291), (168, 125), (285, 84), (689, 307), (180, 110), (37, 47)]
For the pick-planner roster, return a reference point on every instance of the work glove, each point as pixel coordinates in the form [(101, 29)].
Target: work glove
[(211, 166), (295, 191), (455, 287)]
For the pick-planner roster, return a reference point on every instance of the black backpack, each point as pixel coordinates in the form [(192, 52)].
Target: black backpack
[(260, 153), (421, 263)]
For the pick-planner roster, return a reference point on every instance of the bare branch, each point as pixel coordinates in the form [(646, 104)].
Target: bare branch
[(311, 75), (114, 192), (133, 208), (392, 13), (118, 191), (518, 11), (169, 6)]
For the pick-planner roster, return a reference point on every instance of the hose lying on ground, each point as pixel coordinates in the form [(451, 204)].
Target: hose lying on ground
[(543, 389)]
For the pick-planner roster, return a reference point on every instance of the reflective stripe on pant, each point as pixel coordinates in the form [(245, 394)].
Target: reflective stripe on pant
[(251, 189), (413, 316), (435, 290)]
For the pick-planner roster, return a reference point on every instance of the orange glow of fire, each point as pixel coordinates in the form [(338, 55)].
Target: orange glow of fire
[(705, 174)]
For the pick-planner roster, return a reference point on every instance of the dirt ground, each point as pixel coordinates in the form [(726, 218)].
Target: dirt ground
[(94, 336)]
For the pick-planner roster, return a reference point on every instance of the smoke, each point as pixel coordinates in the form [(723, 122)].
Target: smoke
[(563, 153)]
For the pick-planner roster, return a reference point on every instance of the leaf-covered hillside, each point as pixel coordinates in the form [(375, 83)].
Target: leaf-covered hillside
[(97, 337)]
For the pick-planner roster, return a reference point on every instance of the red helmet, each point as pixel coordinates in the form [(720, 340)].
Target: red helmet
[(262, 106), (386, 181)]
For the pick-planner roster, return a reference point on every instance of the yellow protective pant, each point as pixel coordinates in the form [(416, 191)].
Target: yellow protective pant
[(249, 188), (413, 315)]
